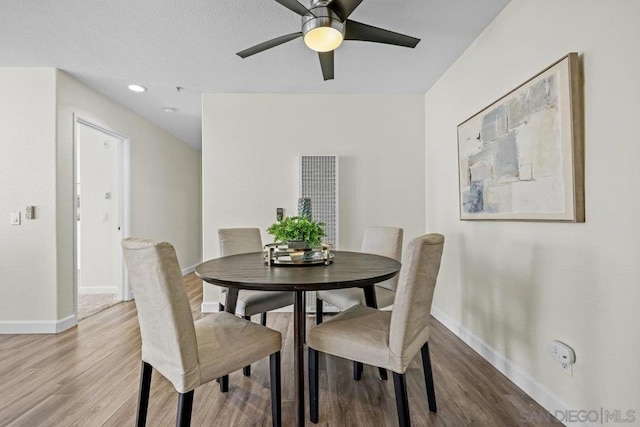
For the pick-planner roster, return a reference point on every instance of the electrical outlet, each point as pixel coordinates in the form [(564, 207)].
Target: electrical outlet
[(564, 355), (30, 212)]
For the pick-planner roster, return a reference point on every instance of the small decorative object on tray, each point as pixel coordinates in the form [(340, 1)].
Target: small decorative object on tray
[(282, 254)]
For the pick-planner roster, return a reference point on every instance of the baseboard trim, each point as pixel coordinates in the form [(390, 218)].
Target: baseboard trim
[(66, 323), (287, 309), (209, 307), (14, 327), (189, 270), (98, 290), (513, 372)]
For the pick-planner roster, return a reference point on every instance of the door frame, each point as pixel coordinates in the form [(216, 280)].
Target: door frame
[(124, 217)]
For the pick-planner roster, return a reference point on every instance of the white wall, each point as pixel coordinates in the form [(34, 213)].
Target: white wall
[(516, 286), (36, 168), (251, 144), (27, 177), (165, 179)]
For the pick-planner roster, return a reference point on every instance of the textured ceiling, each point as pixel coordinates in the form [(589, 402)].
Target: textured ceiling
[(162, 44)]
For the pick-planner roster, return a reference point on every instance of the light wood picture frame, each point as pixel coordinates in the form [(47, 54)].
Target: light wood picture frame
[(522, 157)]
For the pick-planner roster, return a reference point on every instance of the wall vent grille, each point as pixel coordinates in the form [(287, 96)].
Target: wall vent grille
[(319, 182)]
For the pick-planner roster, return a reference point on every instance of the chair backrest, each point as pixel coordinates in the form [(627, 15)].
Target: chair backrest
[(235, 241), (385, 241), (412, 303), (166, 324)]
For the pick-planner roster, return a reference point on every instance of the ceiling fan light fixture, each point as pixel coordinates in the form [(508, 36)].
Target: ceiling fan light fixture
[(323, 39), (323, 31), (324, 28)]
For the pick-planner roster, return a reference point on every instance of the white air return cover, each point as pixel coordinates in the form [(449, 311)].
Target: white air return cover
[(319, 182)]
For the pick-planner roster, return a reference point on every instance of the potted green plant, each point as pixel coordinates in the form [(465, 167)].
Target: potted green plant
[(299, 232)]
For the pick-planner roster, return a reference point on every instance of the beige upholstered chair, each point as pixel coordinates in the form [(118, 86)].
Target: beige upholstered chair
[(235, 241), (386, 339), (385, 241), (189, 354)]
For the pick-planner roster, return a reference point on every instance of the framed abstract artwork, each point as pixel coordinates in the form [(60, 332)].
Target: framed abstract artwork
[(522, 157)]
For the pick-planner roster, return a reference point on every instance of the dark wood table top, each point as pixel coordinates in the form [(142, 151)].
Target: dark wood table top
[(249, 271)]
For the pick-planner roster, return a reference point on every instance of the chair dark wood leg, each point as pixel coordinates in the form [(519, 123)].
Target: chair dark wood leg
[(401, 400), (357, 371), (143, 393), (185, 404), (276, 395), (263, 319), (313, 385), (383, 374), (372, 301), (220, 310), (230, 307), (428, 377), (247, 369), (319, 309)]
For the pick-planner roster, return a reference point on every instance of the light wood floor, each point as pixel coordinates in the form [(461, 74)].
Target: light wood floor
[(88, 376)]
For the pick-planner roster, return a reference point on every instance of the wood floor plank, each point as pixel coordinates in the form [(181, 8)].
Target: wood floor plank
[(88, 376)]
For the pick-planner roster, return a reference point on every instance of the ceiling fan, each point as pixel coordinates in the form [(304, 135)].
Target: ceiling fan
[(325, 25)]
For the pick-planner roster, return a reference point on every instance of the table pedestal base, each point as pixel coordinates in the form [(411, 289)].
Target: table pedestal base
[(299, 311)]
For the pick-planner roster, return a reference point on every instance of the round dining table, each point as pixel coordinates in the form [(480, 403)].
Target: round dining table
[(250, 271)]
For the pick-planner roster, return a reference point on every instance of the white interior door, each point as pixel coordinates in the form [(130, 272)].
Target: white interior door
[(99, 212)]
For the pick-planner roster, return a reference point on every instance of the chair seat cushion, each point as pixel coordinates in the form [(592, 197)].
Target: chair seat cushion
[(254, 302), (359, 333), (348, 297), (227, 343)]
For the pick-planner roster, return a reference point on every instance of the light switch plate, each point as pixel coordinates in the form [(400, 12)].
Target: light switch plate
[(15, 218)]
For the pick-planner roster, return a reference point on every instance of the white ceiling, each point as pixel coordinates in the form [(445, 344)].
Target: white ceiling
[(162, 44)]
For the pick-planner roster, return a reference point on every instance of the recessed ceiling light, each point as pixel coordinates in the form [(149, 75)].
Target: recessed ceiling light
[(169, 110), (137, 88)]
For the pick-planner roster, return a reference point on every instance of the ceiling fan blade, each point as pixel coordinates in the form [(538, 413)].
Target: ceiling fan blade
[(344, 8), (363, 32), (295, 6), (268, 45), (326, 63)]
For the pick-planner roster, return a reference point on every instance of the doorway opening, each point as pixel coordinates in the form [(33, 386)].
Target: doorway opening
[(101, 212)]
